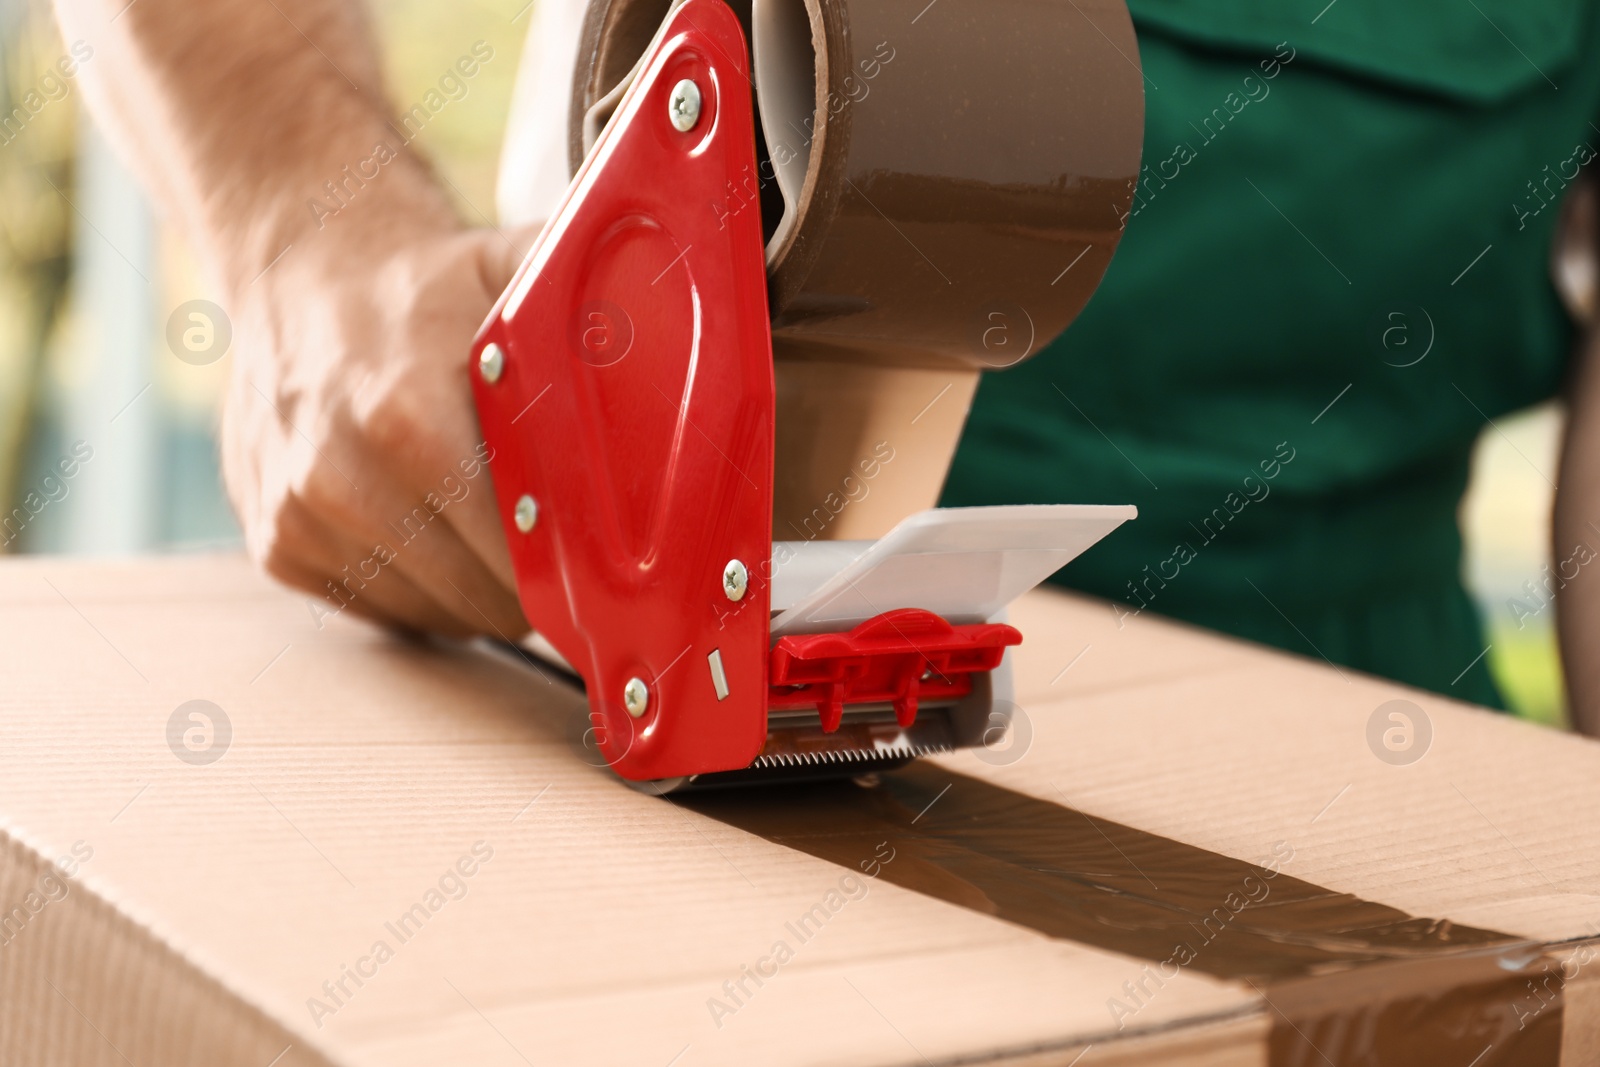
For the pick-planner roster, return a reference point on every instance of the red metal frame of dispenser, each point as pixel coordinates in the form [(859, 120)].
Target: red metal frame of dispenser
[(635, 407)]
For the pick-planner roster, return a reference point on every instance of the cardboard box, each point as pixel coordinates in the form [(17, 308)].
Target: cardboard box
[(384, 853)]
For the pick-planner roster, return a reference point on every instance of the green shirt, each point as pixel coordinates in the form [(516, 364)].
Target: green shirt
[(1336, 271)]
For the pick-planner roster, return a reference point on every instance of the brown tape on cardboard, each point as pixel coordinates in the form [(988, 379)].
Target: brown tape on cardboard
[(1349, 980)]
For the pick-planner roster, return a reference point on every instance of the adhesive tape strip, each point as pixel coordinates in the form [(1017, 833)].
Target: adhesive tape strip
[(942, 184)]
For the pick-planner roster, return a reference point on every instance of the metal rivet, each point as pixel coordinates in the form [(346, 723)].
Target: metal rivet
[(527, 512), (684, 107), (491, 362), (735, 580), (636, 697)]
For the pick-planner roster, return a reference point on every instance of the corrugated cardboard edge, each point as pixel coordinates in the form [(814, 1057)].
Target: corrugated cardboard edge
[(159, 1001), (1580, 1016), (1240, 1038), (1236, 1040), (84, 982)]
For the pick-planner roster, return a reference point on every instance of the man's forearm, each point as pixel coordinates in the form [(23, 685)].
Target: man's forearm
[(238, 112), (354, 290), (1576, 529)]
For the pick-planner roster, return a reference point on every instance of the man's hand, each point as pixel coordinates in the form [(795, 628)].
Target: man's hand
[(350, 447)]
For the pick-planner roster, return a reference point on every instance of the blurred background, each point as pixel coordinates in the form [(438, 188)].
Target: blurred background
[(89, 279)]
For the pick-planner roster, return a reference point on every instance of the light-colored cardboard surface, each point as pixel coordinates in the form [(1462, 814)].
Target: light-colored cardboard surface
[(1220, 744), (218, 899)]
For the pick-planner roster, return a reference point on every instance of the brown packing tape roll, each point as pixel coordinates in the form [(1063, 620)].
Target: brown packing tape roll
[(965, 154), (1345, 980), (942, 186), (943, 183)]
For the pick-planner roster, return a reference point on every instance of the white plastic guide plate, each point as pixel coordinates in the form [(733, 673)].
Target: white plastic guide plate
[(965, 564)]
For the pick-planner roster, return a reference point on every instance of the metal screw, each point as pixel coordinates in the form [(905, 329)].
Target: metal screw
[(491, 361), (636, 697), (684, 107), (735, 580), (527, 512)]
